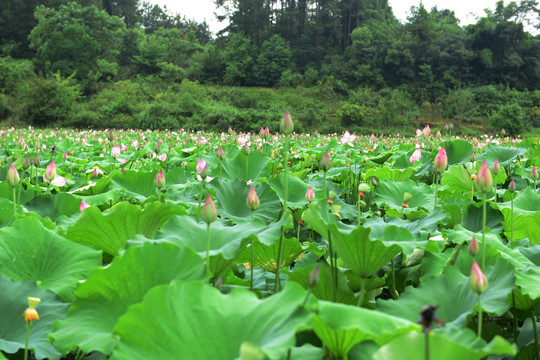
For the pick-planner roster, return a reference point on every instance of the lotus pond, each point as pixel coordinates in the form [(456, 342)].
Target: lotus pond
[(183, 245)]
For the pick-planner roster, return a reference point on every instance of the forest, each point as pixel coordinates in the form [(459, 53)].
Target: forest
[(336, 64)]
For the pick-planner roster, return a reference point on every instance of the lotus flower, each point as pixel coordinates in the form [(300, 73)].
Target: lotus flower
[(310, 194), (115, 151), (325, 164), (496, 168), (426, 131), (512, 186), (314, 275), (246, 149), (202, 168), (484, 180), (479, 281), (534, 173), (50, 172), (84, 205), (160, 179), (473, 247), (441, 161), (12, 176), (418, 132), (220, 154), (252, 200), (286, 126), (416, 155), (208, 212), (26, 162)]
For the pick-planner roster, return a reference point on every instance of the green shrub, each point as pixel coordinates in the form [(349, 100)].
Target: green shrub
[(509, 118), (156, 116), (352, 114)]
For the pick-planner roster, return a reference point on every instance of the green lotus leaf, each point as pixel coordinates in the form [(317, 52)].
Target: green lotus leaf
[(472, 218), (53, 206), (13, 303), (195, 321), (340, 326), (458, 180), (505, 155), (385, 173), (29, 251), (390, 193), (427, 223), (134, 184), (265, 256), (296, 190), (458, 151), (454, 309), (109, 292), (529, 281), (324, 288), (444, 344), (109, 231), (232, 196), (235, 168)]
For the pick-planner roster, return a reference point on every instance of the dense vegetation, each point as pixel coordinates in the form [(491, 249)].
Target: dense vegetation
[(104, 63)]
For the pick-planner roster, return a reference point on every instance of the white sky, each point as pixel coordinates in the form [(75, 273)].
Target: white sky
[(465, 10)]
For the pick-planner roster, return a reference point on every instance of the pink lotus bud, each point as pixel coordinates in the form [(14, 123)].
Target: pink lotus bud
[(84, 205), (325, 164), (314, 276), (12, 176), (438, 134), (418, 132), (310, 194), (26, 162), (220, 154), (441, 161), (496, 168), (286, 126), (416, 155), (21, 142), (512, 186), (50, 172), (426, 131), (473, 247), (484, 180), (534, 173), (36, 162), (157, 149), (202, 168), (479, 281), (38, 145), (160, 179), (65, 156), (262, 134), (246, 149), (208, 212), (266, 133), (252, 199), (473, 157), (115, 151)]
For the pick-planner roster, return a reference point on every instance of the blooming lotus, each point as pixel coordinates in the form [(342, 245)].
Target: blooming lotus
[(83, 205), (347, 138), (416, 155), (115, 151)]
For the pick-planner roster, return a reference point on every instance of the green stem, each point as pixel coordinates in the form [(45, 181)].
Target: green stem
[(427, 345), (395, 294), (484, 232), (512, 218), (208, 248), (14, 201), (26, 340), (280, 248), (436, 188), (278, 262), (199, 210), (362, 292), (324, 190), (307, 297), (480, 320), (247, 167), (333, 265), (535, 329), (252, 257), (286, 167)]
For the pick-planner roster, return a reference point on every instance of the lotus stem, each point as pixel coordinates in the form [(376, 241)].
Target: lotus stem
[(333, 266), (362, 292), (26, 339), (535, 329), (14, 202), (280, 248), (436, 189), (512, 218), (252, 257), (395, 294), (208, 247), (199, 209), (480, 315), (484, 231), (427, 345)]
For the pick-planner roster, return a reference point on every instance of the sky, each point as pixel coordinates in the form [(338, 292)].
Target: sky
[(465, 10)]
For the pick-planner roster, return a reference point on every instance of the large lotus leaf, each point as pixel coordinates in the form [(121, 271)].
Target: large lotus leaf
[(296, 190), (529, 281), (401, 236), (265, 256), (361, 254), (110, 196), (53, 206), (385, 173), (427, 223), (526, 203), (109, 231), (108, 293), (454, 309), (232, 196), (135, 184), (6, 211), (526, 216), (505, 155), (236, 168), (196, 321), (518, 260), (458, 179), (473, 217), (29, 251), (444, 344), (13, 302), (458, 151), (324, 288), (340, 326), (390, 193)]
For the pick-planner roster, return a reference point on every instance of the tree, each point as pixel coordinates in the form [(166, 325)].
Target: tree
[(274, 58)]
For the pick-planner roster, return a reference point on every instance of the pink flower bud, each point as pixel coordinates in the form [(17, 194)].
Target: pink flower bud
[(286, 126), (220, 154), (534, 173), (160, 179), (50, 172), (208, 212), (314, 276), (416, 155), (479, 281), (26, 162), (473, 157), (252, 199), (441, 161), (246, 149), (310, 194), (484, 180), (512, 186), (473, 247), (325, 164), (426, 131), (496, 168), (84, 205), (115, 151), (12, 176), (65, 156), (202, 168)]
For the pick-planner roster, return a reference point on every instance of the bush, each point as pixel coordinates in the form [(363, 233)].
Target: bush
[(156, 116), (509, 118), (352, 114)]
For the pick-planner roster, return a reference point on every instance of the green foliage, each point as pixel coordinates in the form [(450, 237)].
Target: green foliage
[(156, 116), (509, 118), (239, 57), (274, 58)]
